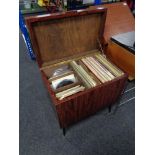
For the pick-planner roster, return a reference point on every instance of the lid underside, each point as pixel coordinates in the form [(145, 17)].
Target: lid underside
[(64, 37)]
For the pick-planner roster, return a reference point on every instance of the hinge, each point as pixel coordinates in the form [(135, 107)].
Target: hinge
[(100, 46)]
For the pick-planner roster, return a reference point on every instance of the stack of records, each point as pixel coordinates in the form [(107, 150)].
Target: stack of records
[(83, 73)]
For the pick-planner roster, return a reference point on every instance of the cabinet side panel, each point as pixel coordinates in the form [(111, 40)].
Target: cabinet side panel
[(122, 58)]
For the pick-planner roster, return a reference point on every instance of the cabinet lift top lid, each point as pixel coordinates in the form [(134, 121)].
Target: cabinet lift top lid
[(58, 36)]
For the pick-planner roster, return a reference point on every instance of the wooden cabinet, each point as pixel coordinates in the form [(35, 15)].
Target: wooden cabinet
[(61, 37)]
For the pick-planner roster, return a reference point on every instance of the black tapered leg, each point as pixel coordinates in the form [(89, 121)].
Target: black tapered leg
[(109, 108), (118, 102), (64, 131)]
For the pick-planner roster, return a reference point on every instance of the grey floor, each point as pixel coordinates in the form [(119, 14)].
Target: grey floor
[(100, 134)]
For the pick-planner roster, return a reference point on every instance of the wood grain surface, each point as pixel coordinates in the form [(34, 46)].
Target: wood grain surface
[(86, 104), (119, 19), (62, 35), (57, 36), (122, 58), (81, 105)]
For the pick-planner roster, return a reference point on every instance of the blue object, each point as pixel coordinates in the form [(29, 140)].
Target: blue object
[(98, 2), (26, 36)]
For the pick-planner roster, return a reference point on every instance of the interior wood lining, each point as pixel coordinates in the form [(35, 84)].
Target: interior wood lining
[(61, 38)]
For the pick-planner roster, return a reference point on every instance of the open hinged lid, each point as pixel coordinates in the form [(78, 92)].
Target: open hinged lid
[(56, 37)]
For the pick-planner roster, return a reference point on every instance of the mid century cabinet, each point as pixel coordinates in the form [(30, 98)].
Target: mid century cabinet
[(60, 37)]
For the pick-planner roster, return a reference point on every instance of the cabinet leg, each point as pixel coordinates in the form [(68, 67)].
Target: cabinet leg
[(64, 131), (109, 108)]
